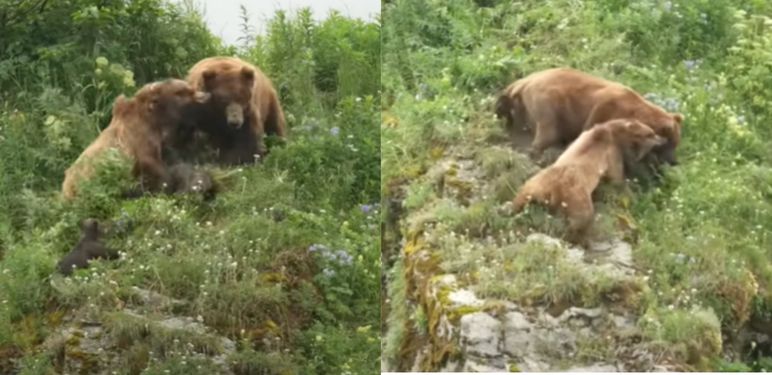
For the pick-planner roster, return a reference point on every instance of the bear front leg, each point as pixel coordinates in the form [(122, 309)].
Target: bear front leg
[(546, 136), (580, 214), (616, 173)]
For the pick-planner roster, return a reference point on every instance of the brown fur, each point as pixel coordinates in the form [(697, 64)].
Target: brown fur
[(558, 104), (567, 185), (240, 85), (138, 129)]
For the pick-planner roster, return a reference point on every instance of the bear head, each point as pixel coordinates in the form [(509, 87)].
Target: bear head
[(635, 137), (503, 106), (90, 229), (165, 104), (670, 128), (231, 92)]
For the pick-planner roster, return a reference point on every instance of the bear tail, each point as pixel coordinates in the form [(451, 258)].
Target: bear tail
[(275, 124)]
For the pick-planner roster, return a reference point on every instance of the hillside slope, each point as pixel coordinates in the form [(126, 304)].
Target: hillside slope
[(278, 274), (679, 273)]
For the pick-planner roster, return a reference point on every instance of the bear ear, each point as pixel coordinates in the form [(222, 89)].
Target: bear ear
[(679, 118), (152, 103), (120, 106), (208, 76), (248, 73), (90, 227)]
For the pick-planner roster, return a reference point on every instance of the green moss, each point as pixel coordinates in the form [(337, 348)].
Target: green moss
[(417, 195), (398, 315), (693, 336), (127, 330)]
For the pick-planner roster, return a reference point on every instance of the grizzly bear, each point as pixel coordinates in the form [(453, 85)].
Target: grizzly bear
[(558, 104), (568, 184), (89, 247), (138, 129), (244, 108)]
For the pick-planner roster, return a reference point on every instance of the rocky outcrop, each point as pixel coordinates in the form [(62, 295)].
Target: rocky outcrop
[(461, 320), (132, 338)]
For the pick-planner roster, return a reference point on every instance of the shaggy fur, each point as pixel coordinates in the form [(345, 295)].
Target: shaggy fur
[(138, 129), (567, 185), (558, 104)]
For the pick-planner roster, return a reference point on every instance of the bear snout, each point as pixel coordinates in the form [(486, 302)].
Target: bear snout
[(234, 113), (202, 97), (667, 154)]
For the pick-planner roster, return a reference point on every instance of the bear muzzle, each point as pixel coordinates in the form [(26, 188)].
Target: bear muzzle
[(202, 97), (234, 113), (666, 154)]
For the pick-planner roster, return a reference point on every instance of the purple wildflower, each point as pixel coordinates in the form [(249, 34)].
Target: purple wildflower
[(316, 247), (344, 257), (671, 104), (366, 208)]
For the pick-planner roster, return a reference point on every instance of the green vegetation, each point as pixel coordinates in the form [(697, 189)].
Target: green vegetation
[(284, 261), (701, 236)]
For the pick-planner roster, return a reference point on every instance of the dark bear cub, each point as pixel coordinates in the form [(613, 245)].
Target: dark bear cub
[(185, 178), (90, 247)]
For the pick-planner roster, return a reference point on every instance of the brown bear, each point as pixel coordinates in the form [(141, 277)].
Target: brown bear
[(558, 104), (138, 129), (567, 185), (244, 108), (89, 247)]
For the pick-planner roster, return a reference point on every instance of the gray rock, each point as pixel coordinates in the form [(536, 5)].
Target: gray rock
[(481, 334), (559, 343), (463, 297), (473, 366), (598, 367), (544, 239), (154, 300), (517, 335), (580, 313)]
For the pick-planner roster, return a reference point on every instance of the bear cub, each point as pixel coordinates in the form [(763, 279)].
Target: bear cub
[(89, 247), (184, 178)]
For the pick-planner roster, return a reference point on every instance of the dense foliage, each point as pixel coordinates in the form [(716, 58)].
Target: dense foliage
[(284, 261), (704, 233)]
